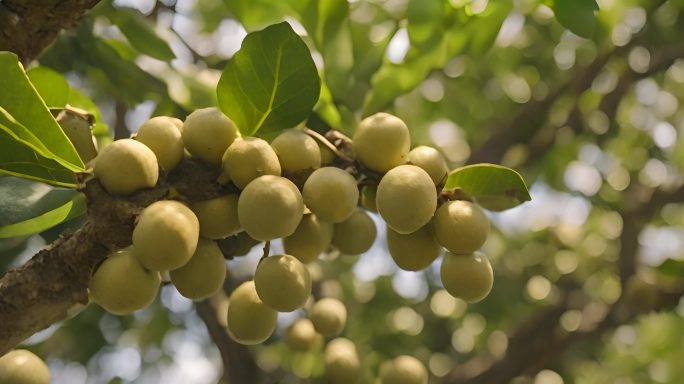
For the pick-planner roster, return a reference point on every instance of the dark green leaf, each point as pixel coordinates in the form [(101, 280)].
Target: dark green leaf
[(22, 199), (495, 187), (577, 15), (425, 22), (140, 33), (75, 207), (672, 267), (50, 85), (271, 83)]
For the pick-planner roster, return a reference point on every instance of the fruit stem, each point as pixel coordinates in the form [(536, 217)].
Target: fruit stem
[(323, 140)]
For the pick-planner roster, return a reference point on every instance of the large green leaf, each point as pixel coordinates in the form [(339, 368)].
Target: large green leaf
[(51, 86), (140, 32), (20, 99), (495, 187), (69, 210), (271, 83), (577, 15)]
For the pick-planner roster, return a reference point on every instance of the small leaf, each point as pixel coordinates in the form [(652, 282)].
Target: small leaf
[(50, 85), (577, 15), (424, 19), (73, 208), (672, 267), (140, 33), (271, 83), (495, 187)]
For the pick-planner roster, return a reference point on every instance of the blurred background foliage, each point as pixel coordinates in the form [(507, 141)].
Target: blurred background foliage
[(588, 276)]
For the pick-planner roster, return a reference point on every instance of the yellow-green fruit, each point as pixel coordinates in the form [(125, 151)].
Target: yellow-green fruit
[(162, 136), (21, 366), (250, 321), (270, 207), (248, 158), (327, 155), (282, 282), (342, 364), (431, 161), (355, 235), (406, 198), (218, 217), (467, 277), (329, 316), (165, 236), (126, 166), (460, 226), (122, 285), (414, 251), (204, 274), (207, 133), (369, 194), (310, 239), (296, 150), (178, 123), (403, 370), (381, 142), (331, 194), (301, 335)]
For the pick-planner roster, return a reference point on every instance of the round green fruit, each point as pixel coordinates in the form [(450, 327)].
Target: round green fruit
[(122, 285), (403, 370), (329, 316), (126, 166), (460, 226), (381, 142), (342, 364), (355, 235), (249, 320), (282, 282), (414, 251), (162, 136), (467, 277), (207, 133), (166, 235), (296, 151), (248, 158), (218, 217), (21, 366), (406, 198), (331, 194), (310, 239), (431, 161), (301, 335), (204, 274)]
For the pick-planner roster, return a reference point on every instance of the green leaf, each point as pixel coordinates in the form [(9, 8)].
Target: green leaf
[(577, 15), (73, 208), (672, 267), (424, 25), (495, 187), (22, 199), (271, 83), (80, 100), (51, 86), (257, 14), (140, 33), (20, 99)]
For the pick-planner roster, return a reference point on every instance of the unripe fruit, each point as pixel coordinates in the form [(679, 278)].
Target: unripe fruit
[(248, 158), (329, 316), (296, 151), (126, 166), (122, 285), (381, 142), (406, 198), (331, 194), (282, 282), (207, 133), (250, 321), (369, 195), (178, 123), (204, 274), (301, 335), (460, 226), (218, 217), (310, 239), (21, 366), (270, 207), (403, 370), (165, 236), (467, 277), (342, 364), (430, 160), (162, 136), (355, 235), (414, 251), (327, 155)]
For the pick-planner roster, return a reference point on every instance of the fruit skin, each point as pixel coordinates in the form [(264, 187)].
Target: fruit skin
[(331, 194), (207, 133), (369, 194), (162, 136), (21, 366), (301, 335), (296, 150), (248, 158), (414, 251), (204, 274), (329, 316), (355, 235), (250, 321), (122, 285), (270, 207), (282, 282), (217, 217), (310, 239), (467, 277), (406, 198), (381, 142), (342, 364), (460, 226), (166, 235), (403, 370), (126, 166), (430, 160)]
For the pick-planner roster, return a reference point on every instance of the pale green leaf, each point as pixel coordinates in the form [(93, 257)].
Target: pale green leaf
[(494, 187)]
